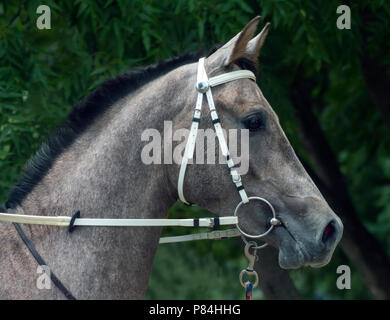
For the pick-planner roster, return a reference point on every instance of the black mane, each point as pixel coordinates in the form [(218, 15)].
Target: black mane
[(82, 115), (85, 112)]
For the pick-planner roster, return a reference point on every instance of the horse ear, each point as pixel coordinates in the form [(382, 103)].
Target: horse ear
[(254, 46), (236, 48)]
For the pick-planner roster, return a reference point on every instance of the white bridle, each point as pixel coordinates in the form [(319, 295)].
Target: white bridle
[(203, 86)]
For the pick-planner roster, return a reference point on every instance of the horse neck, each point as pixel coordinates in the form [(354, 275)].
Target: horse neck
[(101, 175)]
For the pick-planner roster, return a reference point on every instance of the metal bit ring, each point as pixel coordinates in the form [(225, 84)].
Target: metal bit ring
[(274, 221), (257, 247)]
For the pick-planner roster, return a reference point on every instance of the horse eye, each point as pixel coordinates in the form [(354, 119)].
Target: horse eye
[(254, 122)]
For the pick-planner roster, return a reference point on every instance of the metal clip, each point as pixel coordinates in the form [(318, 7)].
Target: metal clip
[(252, 258)]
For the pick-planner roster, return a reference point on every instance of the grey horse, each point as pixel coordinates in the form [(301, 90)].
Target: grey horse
[(92, 164)]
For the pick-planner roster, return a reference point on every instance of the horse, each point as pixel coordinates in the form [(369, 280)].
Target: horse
[(92, 164)]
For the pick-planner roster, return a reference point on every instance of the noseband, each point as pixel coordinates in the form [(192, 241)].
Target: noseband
[(203, 86)]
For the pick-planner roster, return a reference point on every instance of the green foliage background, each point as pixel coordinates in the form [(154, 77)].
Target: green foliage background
[(44, 72)]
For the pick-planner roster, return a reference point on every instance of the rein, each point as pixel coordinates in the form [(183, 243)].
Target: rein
[(203, 86)]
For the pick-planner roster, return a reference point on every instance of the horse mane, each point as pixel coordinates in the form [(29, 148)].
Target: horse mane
[(85, 112), (82, 116)]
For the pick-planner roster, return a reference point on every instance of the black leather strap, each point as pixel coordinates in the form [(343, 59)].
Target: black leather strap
[(71, 223), (42, 262), (216, 222), (196, 222)]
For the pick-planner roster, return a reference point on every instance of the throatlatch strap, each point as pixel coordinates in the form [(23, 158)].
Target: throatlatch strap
[(191, 141)]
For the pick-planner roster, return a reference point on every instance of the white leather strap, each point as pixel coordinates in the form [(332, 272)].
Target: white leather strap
[(206, 83), (213, 235), (191, 140), (65, 221), (236, 178), (230, 76)]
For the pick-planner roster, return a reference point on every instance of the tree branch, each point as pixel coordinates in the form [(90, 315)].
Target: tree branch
[(376, 76), (357, 243)]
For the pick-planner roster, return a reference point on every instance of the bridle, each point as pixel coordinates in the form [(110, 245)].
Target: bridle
[(203, 87)]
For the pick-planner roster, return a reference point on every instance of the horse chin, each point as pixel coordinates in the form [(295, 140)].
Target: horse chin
[(293, 255), (296, 259)]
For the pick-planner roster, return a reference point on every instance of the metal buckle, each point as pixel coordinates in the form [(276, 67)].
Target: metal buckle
[(236, 178)]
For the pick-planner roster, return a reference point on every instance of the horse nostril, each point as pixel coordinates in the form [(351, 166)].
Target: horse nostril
[(329, 231)]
